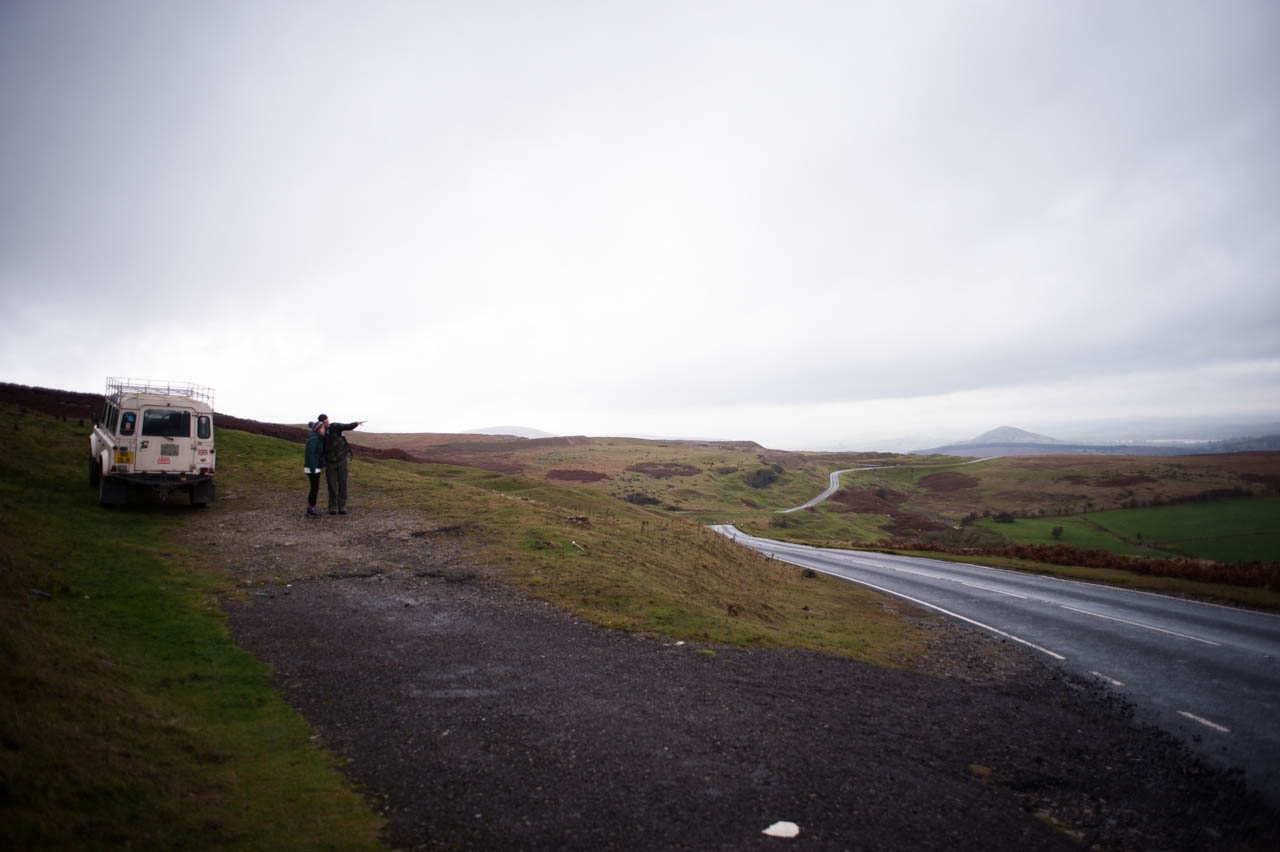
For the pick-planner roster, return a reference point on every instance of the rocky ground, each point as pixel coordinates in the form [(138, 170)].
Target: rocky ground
[(479, 718)]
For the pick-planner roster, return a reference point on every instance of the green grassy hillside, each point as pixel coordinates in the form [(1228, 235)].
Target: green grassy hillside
[(127, 716)]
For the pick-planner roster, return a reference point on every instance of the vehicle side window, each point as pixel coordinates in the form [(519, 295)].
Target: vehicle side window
[(204, 426), (112, 414), (166, 423), (128, 422)]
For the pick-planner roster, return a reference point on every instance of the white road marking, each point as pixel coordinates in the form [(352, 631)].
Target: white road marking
[(934, 607), (1140, 624), (1193, 717), (945, 578), (993, 589), (1109, 680)]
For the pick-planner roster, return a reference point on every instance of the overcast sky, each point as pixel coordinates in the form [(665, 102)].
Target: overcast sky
[(810, 224)]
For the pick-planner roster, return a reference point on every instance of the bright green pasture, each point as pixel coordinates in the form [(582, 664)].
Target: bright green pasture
[(1077, 531), (1239, 530)]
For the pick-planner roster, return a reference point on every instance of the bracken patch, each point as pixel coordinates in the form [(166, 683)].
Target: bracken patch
[(863, 501), (576, 475), (948, 481), (1271, 480), (665, 469), (904, 523), (1124, 481)]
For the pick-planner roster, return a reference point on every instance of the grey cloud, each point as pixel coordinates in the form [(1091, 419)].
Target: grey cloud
[(696, 205)]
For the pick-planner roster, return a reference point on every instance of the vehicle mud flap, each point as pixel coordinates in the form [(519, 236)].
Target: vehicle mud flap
[(95, 472), (202, 494), (112, 491)]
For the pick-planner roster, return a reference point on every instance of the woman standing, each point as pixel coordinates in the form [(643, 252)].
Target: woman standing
[(313, 465)]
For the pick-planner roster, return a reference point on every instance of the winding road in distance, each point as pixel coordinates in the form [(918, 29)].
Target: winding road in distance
[(835, 479), (1208, 674)]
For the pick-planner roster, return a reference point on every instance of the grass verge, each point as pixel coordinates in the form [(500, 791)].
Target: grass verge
[(127, 716)]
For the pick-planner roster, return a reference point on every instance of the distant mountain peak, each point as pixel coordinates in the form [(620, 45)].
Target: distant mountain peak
[(1012, 435)]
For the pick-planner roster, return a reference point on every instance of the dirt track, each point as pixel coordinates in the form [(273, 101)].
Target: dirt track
[(481, 719)]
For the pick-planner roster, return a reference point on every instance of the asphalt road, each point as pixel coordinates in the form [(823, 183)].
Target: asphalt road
[(1208, 674), (831, 489)]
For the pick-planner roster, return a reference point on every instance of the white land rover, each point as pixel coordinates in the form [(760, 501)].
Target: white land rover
[(153, 434)]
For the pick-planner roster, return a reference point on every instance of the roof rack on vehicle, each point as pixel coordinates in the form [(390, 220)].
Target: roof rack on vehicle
[(117, 386)]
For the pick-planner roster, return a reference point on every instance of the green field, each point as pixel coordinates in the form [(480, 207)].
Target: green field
[(1077, 531), (1233, 530), (1226, 530)]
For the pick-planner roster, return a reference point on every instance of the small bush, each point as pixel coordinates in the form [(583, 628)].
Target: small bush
[(761, 478)]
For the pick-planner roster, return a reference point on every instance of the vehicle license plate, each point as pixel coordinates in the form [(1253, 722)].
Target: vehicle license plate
[(124, 457), (168, 449)]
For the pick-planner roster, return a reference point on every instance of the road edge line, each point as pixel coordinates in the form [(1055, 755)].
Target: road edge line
[(947, 612)]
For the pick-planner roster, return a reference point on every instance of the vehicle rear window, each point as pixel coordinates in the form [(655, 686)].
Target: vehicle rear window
[(128, 421), (166, 423), (204, 426)]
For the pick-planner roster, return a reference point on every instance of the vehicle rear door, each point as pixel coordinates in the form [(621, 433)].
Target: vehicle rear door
[(166, 445), (203, 443)]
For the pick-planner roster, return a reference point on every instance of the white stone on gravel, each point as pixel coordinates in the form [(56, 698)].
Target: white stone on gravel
[(782, 829)]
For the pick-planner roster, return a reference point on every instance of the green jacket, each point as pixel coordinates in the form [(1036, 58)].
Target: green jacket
[(313, 459)]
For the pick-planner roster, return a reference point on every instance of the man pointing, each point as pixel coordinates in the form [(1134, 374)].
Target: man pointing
[(336, 453)]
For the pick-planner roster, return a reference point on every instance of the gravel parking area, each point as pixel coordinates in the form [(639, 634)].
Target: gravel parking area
[(478, 718)]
